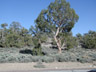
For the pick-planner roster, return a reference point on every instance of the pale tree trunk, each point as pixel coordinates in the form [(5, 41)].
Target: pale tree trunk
[(57, 40)]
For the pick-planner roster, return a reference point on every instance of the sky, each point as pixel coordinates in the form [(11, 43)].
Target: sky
[(26, 11)]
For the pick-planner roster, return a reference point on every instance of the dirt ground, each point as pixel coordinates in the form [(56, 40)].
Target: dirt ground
[(54, 65)]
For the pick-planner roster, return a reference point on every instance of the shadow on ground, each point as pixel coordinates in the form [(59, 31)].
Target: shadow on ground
[(26, 51)]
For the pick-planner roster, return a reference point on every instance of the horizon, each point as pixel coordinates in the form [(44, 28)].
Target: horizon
[(26, 11)]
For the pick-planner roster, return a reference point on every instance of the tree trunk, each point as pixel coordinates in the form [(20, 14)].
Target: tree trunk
[(57, 41), (2, 35)]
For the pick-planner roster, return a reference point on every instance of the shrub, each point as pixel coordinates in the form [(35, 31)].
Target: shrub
[(49, 51), (83, 59), (66, 57), (47, 59), (39, 65), (89, 40), (60, 58), (71, 42), (37, 51), (93, 56), (74, 55), (36, 58)]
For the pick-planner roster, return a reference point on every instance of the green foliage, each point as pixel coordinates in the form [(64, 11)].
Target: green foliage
[(70, 41), (15, 36), (79, 39), (27, 38), (59, 18), (13, 40), (89, 40), (58, 14), (4, 25), (37, 51), (55, 21), (15, 26), (38, 38)]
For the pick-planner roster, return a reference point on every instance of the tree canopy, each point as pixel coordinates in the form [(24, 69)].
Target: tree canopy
[(58, 18)]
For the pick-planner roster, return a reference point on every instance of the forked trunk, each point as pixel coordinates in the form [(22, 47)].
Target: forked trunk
[(57, 41), (58, 44)]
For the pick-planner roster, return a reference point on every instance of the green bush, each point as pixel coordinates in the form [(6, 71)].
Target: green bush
[(13, 40), (89, 40), (37, 51), (71, 42)]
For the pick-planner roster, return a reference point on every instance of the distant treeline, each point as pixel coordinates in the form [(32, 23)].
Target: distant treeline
[(17, 36), (14, 36)]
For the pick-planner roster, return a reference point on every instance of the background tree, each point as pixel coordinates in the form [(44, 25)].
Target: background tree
[(79, 39), (14, 40), (3, 34), (38, 38), (3, 26), (15, 26), (89, 40), (14, 36), (27, 38), (59, 18)]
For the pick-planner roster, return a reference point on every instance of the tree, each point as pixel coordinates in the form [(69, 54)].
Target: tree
[(89, 40), (3, 34), (79, 39), (15, 26), (14, 36), (14, 40), (58, 19), (24, 33), (4, 25), (38, 38)]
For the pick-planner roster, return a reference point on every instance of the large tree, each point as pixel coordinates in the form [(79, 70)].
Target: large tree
[(58, 19)]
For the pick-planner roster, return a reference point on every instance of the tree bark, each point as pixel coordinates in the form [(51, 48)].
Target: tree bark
[(57, 41)]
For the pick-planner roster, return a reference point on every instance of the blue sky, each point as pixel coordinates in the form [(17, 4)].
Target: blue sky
[(26, 11)]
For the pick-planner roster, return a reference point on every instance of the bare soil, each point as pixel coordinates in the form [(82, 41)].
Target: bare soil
[(54, 65)]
